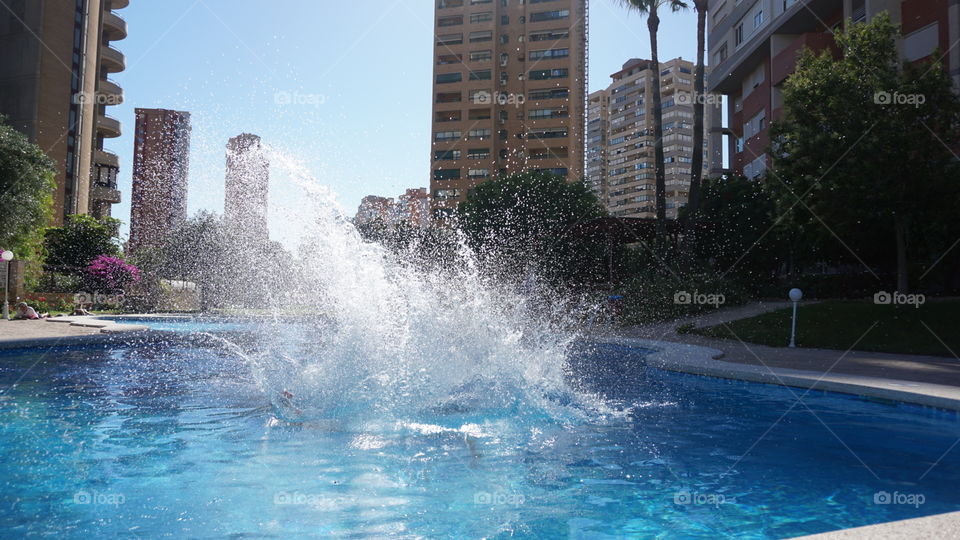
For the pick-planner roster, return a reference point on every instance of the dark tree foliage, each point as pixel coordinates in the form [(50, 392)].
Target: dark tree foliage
[(83, 238), (864, 174), (524, 223)]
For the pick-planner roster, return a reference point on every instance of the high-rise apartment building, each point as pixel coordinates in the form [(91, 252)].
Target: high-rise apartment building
[(754, 45), (55, 88), (509, 92), (161, 161), (412, 208), (621, 164), (247, 187), (598, 126)]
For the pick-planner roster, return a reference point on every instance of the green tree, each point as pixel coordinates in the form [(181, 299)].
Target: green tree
[(651, 9), (524, 222), (83, 238), (26, 192), (862, 157), (733, 230)]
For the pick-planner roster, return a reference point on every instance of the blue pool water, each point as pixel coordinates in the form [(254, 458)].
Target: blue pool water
[(184, 324), (177, 441)]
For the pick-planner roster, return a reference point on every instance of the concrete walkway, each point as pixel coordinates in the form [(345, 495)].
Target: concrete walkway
[(923, 369), (21, 333)]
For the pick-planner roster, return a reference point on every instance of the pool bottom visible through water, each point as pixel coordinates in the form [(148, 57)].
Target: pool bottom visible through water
[(178, 441)]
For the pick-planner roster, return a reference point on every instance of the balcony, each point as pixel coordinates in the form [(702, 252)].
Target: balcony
[(105, 157), (110, 92), (109, 127), (114, 27), (99, 193), (112, 60), (119, 4)]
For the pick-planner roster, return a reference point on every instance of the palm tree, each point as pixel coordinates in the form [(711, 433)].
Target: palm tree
[(651, 8), (699, 89)]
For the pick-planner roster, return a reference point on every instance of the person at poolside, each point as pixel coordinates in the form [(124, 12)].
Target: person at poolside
[(26, 312)]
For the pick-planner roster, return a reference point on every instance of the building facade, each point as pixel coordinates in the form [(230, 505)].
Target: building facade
[(753, 47), (55, 88), (509, 92), (598, 126), (161, 163), (412, 208), (247, 188), (621, 159)]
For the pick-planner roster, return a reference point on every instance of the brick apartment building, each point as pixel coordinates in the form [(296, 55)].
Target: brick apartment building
[(753, 47)]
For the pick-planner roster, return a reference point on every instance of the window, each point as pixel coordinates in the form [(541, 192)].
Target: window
[(721, 54), (446, 78), (549, 53), (479, 114), (559, 171), (449, 97), (446, 174), (479, 134), (449, 39), (446, 194), (480, 75), (485, 16), (478, 173), (548, 93), (478, 153), (455, 20), (448, 116), (550, 15), (481, 97), (481, 56), (479, 37), (553, 133), (544, 74), (446, 59), (738, 35), (446, 155), (560, 112), (450, 3), (758, 19), (550, 35), (443, 136)]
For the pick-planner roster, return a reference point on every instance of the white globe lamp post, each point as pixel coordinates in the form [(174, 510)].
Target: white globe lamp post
[(795, 296)]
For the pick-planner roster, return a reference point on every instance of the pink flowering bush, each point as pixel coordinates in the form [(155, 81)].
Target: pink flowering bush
[(110, 274)]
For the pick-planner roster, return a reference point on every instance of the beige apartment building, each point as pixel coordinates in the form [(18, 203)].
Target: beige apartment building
[(509, 92), (598, 126), (55, 88), (621, 163)]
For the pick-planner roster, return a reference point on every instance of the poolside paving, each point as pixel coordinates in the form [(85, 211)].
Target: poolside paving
[(58, 329), (937, 370)]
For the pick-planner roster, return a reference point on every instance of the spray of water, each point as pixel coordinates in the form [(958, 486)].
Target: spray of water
[(392, 341)]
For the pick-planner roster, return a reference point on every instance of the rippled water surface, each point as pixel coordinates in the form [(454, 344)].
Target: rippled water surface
[(176, 441)]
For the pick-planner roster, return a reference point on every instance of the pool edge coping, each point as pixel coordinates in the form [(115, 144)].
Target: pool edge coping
[(699, 360)]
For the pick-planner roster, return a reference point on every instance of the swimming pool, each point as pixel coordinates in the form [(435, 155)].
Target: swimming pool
[(183, 324), (178, 440)]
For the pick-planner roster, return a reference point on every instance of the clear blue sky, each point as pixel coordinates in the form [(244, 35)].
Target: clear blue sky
[(359, 111)]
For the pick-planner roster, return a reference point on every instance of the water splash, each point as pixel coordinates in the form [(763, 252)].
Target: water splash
[(391, 340)]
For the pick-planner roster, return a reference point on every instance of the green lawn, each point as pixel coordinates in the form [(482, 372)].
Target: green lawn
[(839, 324)]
